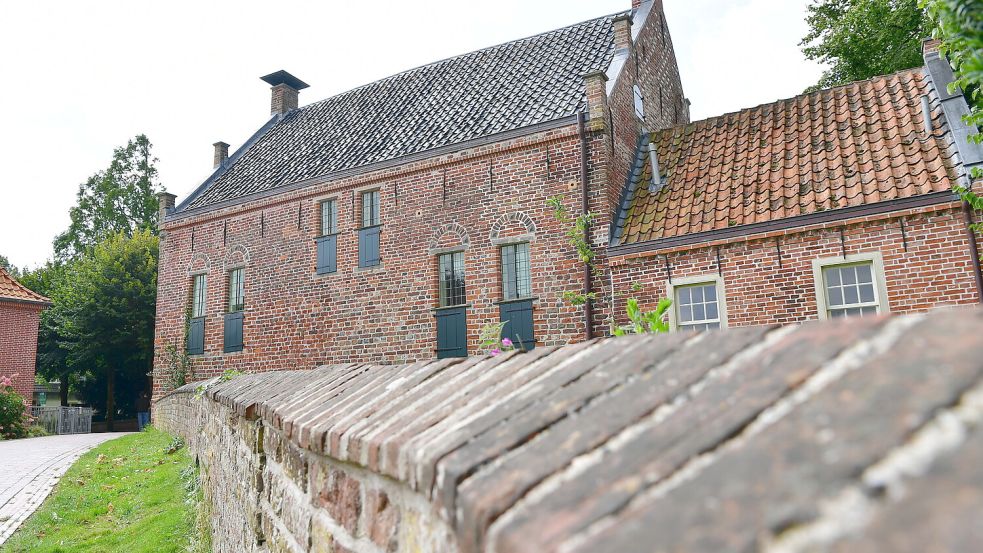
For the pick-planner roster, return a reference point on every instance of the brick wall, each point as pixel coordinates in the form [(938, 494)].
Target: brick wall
[(18, 344), (935, 270), (297, 319)]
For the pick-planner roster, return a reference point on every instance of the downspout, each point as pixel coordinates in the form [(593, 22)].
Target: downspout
[(974, 249), (585, 208)]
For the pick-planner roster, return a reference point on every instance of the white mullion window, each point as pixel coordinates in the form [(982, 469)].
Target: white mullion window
[(851, 286), (698, 303)]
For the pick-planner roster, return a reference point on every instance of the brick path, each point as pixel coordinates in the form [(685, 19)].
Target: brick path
[(30, 468)]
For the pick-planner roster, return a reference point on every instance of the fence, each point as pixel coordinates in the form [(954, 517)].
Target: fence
[(63, 420)]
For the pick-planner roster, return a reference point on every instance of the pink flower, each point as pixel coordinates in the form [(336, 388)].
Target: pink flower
[(506, 342), (495, 352)]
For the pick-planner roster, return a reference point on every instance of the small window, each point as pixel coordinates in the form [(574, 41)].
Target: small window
[(370, 208), (451, 276), (850, 290), (697, 307), (198, 296), (329, 218), (236, 291), (516, 278), (639, 105)]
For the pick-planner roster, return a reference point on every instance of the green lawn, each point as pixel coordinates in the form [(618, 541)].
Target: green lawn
[(128, 495)]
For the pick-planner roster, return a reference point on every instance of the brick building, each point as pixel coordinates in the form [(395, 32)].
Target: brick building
[(394, 221), (833, 203), (20, 311)]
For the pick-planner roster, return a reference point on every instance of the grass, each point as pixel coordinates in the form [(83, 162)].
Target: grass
[(138, 493)]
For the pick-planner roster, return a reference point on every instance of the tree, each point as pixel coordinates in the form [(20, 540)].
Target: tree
[(5, 263), (120, 199), (52, 357), (860, 39), (104, 310)]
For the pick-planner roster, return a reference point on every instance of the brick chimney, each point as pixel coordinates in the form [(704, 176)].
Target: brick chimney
[(165, 204), (635, 4), (597, 100), (285, 89), (622, 31), (221, 153)]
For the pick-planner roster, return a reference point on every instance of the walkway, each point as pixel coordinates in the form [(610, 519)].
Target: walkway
[(29, 468)]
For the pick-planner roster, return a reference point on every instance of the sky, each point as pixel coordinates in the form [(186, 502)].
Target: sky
[(78, 79)]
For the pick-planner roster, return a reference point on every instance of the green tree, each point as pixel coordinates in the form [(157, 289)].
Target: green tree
[(104, 309), (52, 357), (119, 199), (860, 39), (5, 263)]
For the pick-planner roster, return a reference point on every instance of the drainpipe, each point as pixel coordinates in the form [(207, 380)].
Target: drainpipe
[(974, 249), (585, 207)]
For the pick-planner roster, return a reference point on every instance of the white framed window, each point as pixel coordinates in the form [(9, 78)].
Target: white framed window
[(850, 287), (698, 303)]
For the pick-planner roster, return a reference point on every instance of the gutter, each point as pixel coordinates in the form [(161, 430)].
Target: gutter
[(974, 249), (585, 207)]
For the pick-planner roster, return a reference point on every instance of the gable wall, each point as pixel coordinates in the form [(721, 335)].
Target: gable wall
[(19, 344), (295, 319)]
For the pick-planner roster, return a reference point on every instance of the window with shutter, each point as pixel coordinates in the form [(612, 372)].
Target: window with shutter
[(516, 278), (196, 324), (237, 304), (369, 234), (327, 244)]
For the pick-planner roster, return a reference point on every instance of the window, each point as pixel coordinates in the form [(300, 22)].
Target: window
[(370, 208), (639, 107), (450, 267), (233, 319), (236, 291), (698, 303), (516, 279), (368, 235), (850, 290), (327, 243), (853, 286), (697, 307), (329, 218), (196, 325)]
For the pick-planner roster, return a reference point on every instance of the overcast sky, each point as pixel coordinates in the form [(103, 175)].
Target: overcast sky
[(78, 79)]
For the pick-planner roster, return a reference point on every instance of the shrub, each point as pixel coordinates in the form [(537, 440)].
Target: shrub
[(14, 417), (35, 431)]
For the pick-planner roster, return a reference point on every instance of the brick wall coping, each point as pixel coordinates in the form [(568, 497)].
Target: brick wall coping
[(810, 437)]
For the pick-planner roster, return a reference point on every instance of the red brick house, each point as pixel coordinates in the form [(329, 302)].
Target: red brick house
[(392, 222), (20, 312), (829, 204)]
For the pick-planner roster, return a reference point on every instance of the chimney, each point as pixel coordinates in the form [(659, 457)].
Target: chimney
[(166, 204), (285, 90), (622, 31), (221, 153), (597, 100), (635, 4)]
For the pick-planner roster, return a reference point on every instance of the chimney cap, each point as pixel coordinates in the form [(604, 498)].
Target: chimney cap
[(282, 77)]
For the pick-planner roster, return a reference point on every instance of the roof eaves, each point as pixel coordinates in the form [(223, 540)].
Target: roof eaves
[(226, 165)]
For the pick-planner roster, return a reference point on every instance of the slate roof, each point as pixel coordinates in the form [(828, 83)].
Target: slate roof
[(851, 145), (497, 89), (851, 435), (10, 289)]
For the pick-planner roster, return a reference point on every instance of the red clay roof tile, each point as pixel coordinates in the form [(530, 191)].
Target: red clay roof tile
[(856, 144), (10, 289)]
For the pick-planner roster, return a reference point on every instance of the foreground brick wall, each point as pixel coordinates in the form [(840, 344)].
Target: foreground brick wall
[(755, 438), (19, 344), (929, 266)]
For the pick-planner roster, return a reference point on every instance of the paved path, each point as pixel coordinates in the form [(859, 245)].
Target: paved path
[(29, 468)]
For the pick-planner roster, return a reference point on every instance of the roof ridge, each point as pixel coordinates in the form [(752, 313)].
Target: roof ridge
[(461, 55), (814, 93)]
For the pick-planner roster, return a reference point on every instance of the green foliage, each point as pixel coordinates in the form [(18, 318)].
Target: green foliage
[(577, 298), (5, 263), (103, 311), (576, 234), (127, 496), (491, 341), (52, 356), (35, 431), (645, 322), (860, 39), (229, 374), (179, 367), (120, 199), (14, 419)]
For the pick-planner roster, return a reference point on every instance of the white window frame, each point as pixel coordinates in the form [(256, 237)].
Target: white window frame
[(691, 281), (876, 261)]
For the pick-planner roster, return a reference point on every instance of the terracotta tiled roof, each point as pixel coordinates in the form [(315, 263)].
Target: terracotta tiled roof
[(856, 144), (10, 289)]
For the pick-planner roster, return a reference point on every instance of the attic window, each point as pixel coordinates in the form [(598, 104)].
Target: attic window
[(639, 108)]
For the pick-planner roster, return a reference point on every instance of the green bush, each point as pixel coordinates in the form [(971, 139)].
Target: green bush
[(35, 431), (13, 411)]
